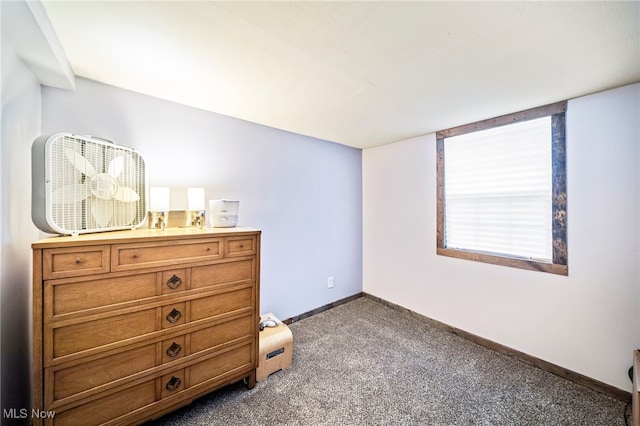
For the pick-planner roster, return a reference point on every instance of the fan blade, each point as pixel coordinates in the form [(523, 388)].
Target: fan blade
[(68, 194), (79, 162), (126, 195), (124, 213), (116, 166), (102, 211)]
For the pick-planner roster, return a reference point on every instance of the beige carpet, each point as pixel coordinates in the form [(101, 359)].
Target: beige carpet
[(363, 363)]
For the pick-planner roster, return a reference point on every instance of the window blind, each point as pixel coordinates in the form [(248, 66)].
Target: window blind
[(497, 190)]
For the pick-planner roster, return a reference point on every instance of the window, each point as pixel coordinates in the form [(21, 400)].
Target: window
[(502, 190)]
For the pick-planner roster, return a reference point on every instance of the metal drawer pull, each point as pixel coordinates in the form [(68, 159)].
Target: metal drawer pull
[(174, 350), (174, 315), (174, 282), (173, 384)]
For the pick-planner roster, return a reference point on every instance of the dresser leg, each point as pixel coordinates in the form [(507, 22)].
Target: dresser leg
[(250, 380)]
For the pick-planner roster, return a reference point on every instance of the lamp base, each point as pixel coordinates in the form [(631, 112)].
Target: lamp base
[(157, 220), (177, 219)]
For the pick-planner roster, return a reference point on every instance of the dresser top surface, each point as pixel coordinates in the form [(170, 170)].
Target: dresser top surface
[(137, 235)]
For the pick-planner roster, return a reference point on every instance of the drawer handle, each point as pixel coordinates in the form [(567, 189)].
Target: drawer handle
[(174, 282), (174, 315), (174, 350), (78, 261), (173, 384)]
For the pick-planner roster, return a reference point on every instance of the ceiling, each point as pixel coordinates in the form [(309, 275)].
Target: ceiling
[(362, 74)]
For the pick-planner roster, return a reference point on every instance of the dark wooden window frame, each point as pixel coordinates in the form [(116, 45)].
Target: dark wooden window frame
[(559, 264)]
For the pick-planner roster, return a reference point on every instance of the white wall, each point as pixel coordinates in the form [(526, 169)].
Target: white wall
[(21, 104), (304, 194), (587, 322)]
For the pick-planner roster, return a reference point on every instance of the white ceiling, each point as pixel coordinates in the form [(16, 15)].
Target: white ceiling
[(361, 74)]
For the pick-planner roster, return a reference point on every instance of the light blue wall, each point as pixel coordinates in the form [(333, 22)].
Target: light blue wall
[(304, 194)]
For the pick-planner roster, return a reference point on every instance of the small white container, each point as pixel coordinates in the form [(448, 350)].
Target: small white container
[(223, 213)]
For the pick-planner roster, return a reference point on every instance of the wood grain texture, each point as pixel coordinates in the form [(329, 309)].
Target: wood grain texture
[(37, 397), (276, 349), (223, 273), (140, 235), (69, 297), (92, 334), (110, 407), (71, 262), (240, 246), (130, 342), (559, 190), (134, 256), (220, 334), (224, 303), (83, 377), (530, 265)]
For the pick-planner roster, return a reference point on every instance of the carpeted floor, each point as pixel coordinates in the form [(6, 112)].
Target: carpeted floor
[(363, 363)]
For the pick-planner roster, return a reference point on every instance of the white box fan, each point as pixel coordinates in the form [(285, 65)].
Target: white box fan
[(85, 184)]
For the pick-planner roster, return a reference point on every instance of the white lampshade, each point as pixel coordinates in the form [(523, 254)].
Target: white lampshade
[(195, 199), (159, 199)]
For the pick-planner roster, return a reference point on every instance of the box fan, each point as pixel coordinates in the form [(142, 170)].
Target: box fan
[(85, 184)]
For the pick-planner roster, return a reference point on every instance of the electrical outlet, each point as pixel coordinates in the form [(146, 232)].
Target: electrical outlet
[(330, 282)]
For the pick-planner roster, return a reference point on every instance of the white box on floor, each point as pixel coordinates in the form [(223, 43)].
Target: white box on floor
[(275, 348)]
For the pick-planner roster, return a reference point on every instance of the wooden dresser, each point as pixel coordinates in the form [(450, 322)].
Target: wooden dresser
[(130, 325)]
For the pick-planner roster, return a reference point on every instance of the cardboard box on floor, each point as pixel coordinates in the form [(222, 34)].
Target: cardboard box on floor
[(276, 348)]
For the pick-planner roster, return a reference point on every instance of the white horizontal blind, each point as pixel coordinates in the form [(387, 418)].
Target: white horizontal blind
[(498, 190)]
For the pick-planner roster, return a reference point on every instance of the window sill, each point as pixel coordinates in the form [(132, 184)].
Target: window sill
[(511, 262)]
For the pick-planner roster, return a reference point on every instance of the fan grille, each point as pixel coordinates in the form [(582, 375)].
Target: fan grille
[(94, 185)]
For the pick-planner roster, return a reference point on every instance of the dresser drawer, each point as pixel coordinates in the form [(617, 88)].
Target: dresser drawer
[(75, 261), (79, 337), (215, 368), (74, 380), (109, 407), (129, 325), (240, 246), (145, 255), (226, 332), (223, 303), (223, 273), (70, 296), (81, 380)]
